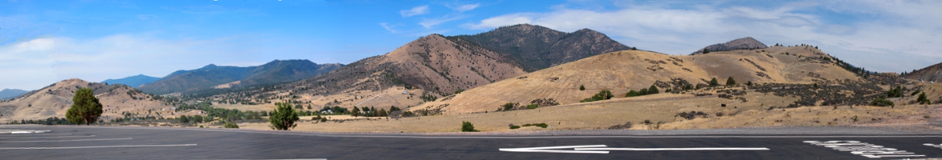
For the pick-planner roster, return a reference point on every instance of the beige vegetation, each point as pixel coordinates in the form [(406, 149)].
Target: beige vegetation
[(633, 70), (55, 100)]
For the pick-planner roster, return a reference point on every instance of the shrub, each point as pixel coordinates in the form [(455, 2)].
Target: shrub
[(922, 99), (581, 87), (602, 95), (541, 125), (895, 92), (229, 124), (730, 81), (915, 92), (653, 90), (508, 106), (533, 106), (467, 127), (749, 83), (514, 127), (881, 102), (283, 117), (713, 82), (632, 93)]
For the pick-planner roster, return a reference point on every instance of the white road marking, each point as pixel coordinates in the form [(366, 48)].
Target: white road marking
[(600, 149), (676, 149), (30, 131), (88, 147), (50, 137), (933, 145), (864, 149), (77, 140), (579, 137)]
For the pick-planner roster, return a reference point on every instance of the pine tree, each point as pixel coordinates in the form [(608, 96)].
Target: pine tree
[(713, 82), (283, 117), (730, 81), (653, 90), (355, 112), (705, 51), (85, 107), (581, 87)]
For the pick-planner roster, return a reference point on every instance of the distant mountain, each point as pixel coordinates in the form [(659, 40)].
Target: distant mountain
[(212, 76), (537, 47), (11, 93), (741, 43), (133, 81), (932, 73)]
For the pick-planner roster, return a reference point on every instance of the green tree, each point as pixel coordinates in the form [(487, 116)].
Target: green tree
[(184, 119), (197, 119), (355, 112), (632, 93), (633, 48), (85, 107), (283, 117), (581, 87), (749, 83), (653, 90), (730, 81), (713, 82), (923, 99), (705, 51), (467, 127)]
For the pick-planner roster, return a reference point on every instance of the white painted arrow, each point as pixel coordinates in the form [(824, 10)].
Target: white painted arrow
[(601, 149)]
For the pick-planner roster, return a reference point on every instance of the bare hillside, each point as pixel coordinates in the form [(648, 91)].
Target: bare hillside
[(622, 71), (741, 43), (55, 100), (931, 73), (432, 65)]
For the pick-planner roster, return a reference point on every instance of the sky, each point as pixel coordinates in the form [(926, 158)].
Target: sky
[(43, 42)]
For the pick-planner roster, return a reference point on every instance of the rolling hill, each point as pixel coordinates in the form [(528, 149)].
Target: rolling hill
[(741, 43), (11, 93), (54, 100), (622, 71), (435, 66), (931, 73), (212, 76), (133, 81)]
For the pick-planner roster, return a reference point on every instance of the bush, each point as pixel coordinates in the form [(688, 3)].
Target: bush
[(730, 81), (713, 83), (514, 127), (881, 102), (895, 92), (922, 99), (283, 117), (581, 87), (541, 125), (602, 95), (533, 106), (653, 90), (749, 83), (467, 127), (229, 124), (508, 106), (632, 93)]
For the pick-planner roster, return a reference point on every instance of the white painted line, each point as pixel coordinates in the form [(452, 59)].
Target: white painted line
[(18, 138), (78, 140), (599, 149), (549, 149), (30, 131), (674, 149), (639, 136), (89, 147)]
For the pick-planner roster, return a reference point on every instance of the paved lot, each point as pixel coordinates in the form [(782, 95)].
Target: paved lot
[(82, 142)]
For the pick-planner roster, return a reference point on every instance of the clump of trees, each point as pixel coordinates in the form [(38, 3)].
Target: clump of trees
[(923, 99), (283, 117), (645, 91), (895, 92), (85, 107), (602, 95)]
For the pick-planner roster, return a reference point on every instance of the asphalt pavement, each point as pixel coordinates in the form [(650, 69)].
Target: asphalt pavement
[(95, 142)]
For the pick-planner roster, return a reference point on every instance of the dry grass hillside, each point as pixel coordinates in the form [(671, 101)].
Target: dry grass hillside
[(432, 65), (622, 71), (55, 100)]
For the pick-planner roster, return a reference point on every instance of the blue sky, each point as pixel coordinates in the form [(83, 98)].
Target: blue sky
[(42, 42)]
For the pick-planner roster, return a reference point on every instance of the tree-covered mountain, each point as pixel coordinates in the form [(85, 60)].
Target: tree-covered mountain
[(133, 81), (537, 47), (11, 93), (212, 75)]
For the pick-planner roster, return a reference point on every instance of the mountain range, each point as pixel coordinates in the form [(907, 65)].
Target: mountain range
[(11, 93), (133, 81), (931, 73), (436, 65), (213, 76)]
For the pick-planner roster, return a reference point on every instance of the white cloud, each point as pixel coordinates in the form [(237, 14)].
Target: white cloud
[(388, 28), (415, 11), (429, 23), (38, 62), (467, 7), (908, 31)]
